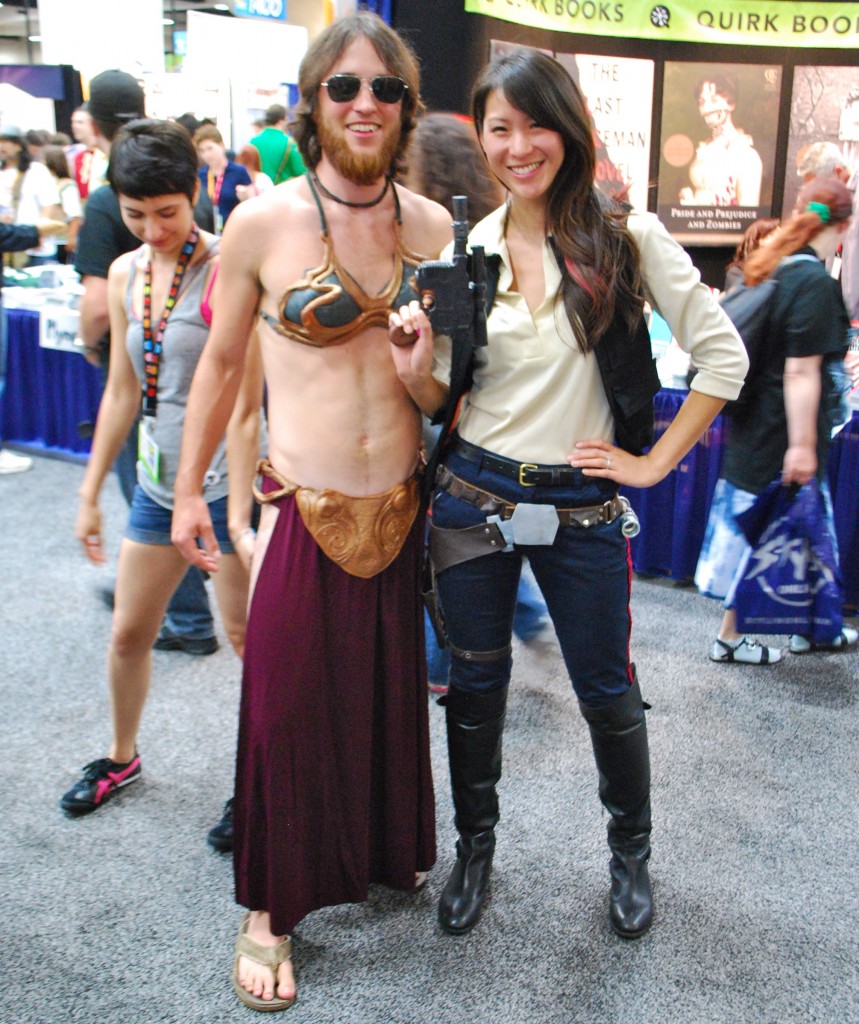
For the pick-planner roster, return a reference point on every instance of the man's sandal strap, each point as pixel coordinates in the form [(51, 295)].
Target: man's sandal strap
[(267, 956)]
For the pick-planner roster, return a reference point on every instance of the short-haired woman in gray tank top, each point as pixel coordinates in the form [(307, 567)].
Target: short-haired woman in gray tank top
[(158, 297)]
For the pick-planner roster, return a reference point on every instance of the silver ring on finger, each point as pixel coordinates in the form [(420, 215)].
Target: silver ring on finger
[(608, 462)]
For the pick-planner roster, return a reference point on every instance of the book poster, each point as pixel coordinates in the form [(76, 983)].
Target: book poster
[(717, 155), (824, 107), (619, 94)]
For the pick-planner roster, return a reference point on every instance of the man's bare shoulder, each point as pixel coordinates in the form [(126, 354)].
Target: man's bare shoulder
[(426, 224), (119, 269), (290, 202)]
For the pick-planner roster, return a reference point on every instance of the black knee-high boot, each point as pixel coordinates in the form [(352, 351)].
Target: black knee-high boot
[(619, 737), (475, 723)]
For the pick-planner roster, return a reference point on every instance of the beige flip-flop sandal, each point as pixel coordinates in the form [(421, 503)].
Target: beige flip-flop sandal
[(267, 956)]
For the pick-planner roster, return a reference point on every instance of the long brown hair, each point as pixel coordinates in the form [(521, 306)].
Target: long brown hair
[(821, 202), (321, 56), (56, 162), (445, 160), (600, 276)]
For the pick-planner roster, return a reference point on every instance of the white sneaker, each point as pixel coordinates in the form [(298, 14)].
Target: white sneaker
[(12, 463), (802, 644), (744, 651)]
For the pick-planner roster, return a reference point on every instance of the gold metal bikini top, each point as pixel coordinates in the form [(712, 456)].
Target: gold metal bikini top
[(328, 306)]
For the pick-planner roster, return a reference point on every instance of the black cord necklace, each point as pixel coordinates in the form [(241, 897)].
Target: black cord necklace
[(348, 202)]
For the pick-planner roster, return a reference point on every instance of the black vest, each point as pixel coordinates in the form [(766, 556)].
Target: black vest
[(627, 370)]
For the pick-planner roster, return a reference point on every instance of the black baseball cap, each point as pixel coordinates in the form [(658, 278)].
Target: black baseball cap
[(116, 96)]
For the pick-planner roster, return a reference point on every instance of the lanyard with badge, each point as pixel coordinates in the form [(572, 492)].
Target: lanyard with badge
[(147, 449), (214, 185)]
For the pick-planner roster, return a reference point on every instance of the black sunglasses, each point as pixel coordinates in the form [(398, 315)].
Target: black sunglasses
[(386, 88)]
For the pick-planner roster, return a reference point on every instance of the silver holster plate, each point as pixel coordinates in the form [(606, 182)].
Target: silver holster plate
[(529, 524)]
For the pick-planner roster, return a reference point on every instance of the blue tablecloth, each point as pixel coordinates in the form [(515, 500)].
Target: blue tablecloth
[(844, 483), (48, 393), (674, 513)]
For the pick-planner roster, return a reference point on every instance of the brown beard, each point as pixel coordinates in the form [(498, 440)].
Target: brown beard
[(360, 168)]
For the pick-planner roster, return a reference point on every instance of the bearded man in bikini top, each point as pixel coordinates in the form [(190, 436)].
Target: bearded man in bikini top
[(333, 787)]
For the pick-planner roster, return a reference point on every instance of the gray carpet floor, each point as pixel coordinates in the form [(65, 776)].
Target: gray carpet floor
[(128, 916)]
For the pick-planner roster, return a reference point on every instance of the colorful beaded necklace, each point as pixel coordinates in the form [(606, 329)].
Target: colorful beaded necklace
[(152, 343)]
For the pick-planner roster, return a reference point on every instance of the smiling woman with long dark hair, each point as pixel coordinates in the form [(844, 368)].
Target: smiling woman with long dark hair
[(558, 417)]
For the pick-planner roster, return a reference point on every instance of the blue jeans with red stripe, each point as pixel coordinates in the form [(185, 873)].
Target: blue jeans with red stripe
[(584, 576)]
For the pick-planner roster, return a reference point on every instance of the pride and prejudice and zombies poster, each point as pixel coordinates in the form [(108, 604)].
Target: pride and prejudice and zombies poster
[(717, 149)]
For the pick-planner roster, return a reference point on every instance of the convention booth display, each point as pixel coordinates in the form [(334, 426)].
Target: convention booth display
[(51, 397), (700, 113), (58, 83)]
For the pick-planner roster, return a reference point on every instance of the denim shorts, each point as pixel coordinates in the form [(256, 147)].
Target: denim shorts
[(150, 523)]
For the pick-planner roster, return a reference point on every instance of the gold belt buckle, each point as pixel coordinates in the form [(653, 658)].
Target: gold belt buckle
[(522, 468)]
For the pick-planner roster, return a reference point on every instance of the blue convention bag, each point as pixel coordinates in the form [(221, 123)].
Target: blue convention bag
[(790, 583)]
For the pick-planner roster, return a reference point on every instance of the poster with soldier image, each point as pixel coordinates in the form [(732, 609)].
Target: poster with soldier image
[(717, 149), (824, 116)]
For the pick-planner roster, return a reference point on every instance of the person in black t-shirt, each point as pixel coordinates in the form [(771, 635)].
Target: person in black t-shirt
[(785, 431)]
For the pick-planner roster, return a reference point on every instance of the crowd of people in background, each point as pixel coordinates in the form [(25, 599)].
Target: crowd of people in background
[(46, 179), (77, 166)]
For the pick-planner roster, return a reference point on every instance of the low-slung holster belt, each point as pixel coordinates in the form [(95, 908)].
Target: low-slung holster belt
[(590, 515), (528, 474), (363, 535), (451, 547)]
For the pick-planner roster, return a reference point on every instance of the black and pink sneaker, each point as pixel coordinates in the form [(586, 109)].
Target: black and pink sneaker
[(101, 779)]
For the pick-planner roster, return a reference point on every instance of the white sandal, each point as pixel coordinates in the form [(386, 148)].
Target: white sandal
[(744, 652), (802, 644)]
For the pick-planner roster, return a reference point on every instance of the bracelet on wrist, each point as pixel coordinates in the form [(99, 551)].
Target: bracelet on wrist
[(247, 530)]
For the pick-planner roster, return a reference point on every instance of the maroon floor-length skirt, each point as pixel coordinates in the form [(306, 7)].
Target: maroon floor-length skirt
[(333, 779)]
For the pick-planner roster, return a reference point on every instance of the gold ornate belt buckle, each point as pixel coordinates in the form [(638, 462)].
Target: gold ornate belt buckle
[(362, 535)]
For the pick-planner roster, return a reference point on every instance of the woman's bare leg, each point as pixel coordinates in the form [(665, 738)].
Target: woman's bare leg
[(231, 587), (147, 575), (728, 630)]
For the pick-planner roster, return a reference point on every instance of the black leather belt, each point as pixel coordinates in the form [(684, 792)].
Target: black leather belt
[(491, 504), (528, 474)]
